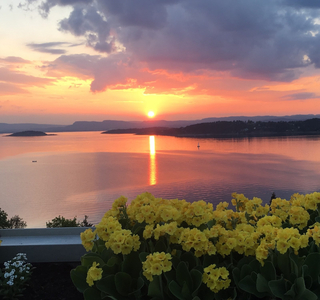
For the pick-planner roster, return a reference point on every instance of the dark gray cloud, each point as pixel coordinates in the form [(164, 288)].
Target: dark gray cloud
[(303, 3), (89, 23), (45, 6), (301, 96), (151, 14), (50, 47), (267, 40)]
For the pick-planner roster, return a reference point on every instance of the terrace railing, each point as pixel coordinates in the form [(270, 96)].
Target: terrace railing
[(42, 244)]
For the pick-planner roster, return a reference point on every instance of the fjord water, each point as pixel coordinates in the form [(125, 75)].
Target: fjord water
[(82, 173)]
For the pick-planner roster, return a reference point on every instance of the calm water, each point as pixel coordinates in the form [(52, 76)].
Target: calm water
[(82, 173)]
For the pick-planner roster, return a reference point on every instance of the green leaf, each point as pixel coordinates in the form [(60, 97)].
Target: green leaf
[(107, 285), (313, 263), (283, 262), (138, 286), (236, 275), (245, 261), (255, 265), (308, 281), (137, 228), (175, 262), (78, 277), (160, 246), (169, 276), (308, 295), (291, 293), (296, 264), (247, 284), (211, 223), (302, 292), (112, 261), (154, 289), (92, 294), (185, 291), (210, 260), (132, 264), (268, 271), (175, 289), (196, 281), (278, 287), (183, 275), (190, 259), (245, 271), (262, 284), (89, 258), (123, 283), (143, 256)]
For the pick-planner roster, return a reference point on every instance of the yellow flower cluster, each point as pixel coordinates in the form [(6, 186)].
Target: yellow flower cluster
[(122, 241), (117, 207), (94, 274), (119, 240), (146, 208), (107, 226), (155, 264), (315, 233), (87, 238), (110, 231), (216, 279), (252, 229), (197, 240)]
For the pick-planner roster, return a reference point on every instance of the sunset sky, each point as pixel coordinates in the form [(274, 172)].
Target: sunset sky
[(63, 61)]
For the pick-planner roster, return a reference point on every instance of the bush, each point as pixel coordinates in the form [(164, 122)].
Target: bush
[(13, 222), (63, 222), (172, 249)]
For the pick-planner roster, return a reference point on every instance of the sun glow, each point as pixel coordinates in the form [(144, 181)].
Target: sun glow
[(150, 114)]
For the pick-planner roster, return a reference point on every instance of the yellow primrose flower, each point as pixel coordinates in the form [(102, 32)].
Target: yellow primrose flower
[(87, 238), (148, 231), (216, 279), (122, 241), (107, 226), (282, 246), (94, 274), (155, 264)]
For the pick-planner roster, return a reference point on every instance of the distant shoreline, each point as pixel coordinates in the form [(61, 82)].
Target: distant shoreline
[(223, 136), (232, 129)]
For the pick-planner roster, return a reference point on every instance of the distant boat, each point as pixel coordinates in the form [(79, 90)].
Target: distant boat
[(198, 146)]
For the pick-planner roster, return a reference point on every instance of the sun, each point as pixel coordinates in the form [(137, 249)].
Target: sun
[(150, 114)]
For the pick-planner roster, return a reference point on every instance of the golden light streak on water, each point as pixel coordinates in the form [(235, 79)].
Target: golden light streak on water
[(152, 162)]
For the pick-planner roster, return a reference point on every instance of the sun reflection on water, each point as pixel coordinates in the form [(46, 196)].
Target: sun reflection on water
[(152, 161)]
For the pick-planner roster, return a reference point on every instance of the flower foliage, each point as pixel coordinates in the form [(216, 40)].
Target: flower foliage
[(14, 277), (174, 249)]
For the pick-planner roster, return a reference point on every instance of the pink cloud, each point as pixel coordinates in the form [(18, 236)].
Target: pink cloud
[(10, 89), (10, 76)]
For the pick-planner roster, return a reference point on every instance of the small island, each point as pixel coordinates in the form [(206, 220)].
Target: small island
[(29, 133)]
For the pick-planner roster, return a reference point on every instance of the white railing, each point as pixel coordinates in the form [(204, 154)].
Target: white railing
[(42, 244)]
